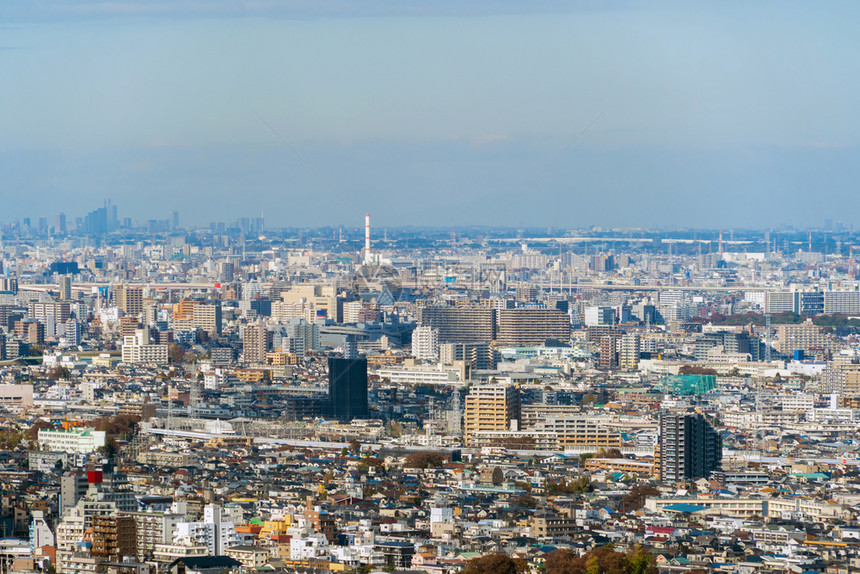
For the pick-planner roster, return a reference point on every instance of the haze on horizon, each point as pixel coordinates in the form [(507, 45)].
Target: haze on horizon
[(728, 114)]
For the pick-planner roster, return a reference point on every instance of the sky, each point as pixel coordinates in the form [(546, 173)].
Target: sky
[(498, 113)]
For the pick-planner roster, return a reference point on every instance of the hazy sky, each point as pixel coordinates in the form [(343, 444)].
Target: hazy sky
[(715, 114)]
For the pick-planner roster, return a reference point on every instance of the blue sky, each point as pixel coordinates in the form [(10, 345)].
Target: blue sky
[(714, 114)]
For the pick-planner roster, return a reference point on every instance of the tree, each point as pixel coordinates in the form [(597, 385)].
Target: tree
[(603, 560), (122, 426), (395, 429), (584, 457), (640, 561), (423, 460), (562, 561), (57, 372), (354, 447), (525, 501), (498, 563), (10, 439), (175, 353), (609, 453), (32, 433), (635, 498), (375, 462), (696, 370)]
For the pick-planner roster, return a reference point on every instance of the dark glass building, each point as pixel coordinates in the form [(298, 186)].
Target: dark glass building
[(347, 388), (690, 448)]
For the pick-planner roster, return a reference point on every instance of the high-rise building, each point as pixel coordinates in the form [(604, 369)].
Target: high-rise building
[(71, 333), (425, 343), (60, 311), (114, 536), (529, 327), (137, 348), (347, 388), (255, 343), (599, 316), (741, 342), (630, 348), (460, 324), (477, 355), (609, 351), (805, 337), (129, 299), (208, 317), (299, 328), (491, 408), (31, 331), (65, 288), (689, 447)]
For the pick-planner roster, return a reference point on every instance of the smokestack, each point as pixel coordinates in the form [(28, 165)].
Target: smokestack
[(367, 238)]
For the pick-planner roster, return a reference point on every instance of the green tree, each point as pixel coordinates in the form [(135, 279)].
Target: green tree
[(640, 561)]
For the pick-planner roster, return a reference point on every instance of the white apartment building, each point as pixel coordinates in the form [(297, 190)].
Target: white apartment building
[(798, 402), (425, 343), (213, 532), (136, 349)]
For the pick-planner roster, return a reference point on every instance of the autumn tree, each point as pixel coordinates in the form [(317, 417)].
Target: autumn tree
[(635, 498), (602, 560), (122, 426), (57, 372), (498, 563), (354, 446), (423, 460), (32, 433), (609, 453), (696, 370), (525, 501), (175, 353)]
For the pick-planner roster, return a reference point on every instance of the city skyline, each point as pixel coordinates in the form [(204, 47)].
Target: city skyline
[(720, 116)]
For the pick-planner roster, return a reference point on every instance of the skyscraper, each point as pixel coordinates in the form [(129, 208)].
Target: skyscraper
[(690, 448), (347, 388)]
